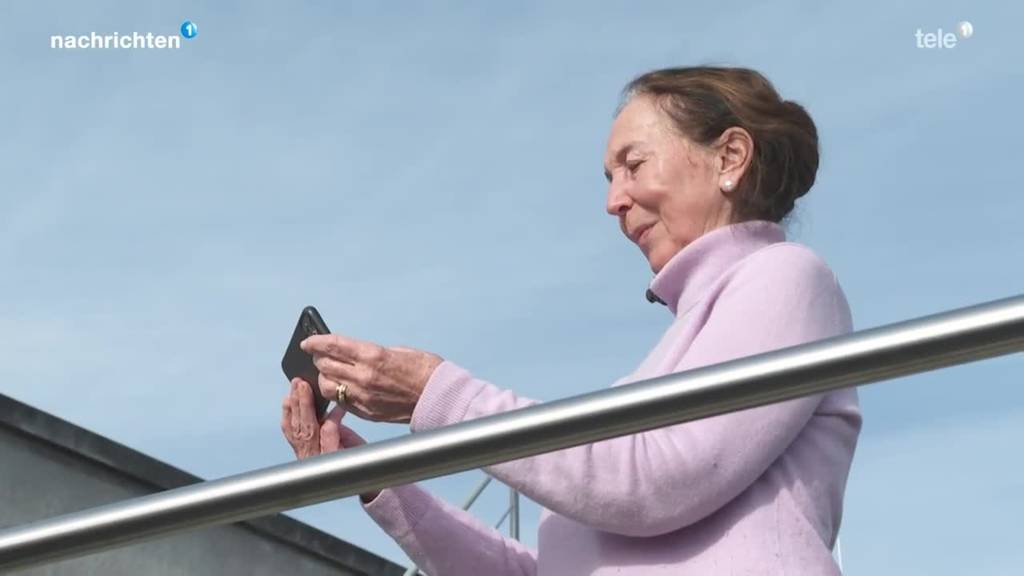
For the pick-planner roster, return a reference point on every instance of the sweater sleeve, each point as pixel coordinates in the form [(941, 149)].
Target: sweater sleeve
[(665, 479), (445, 540)]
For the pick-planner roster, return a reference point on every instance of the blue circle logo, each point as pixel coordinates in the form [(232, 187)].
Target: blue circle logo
[(189, 29)]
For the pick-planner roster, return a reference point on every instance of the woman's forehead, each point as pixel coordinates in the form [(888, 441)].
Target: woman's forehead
[(639, 124)]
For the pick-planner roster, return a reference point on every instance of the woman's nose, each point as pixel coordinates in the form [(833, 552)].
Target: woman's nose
[(618, 201)]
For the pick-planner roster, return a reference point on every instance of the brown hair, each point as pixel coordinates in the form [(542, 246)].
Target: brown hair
[(703, 101)]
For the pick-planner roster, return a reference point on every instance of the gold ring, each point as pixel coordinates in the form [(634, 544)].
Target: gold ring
[(342, 390)]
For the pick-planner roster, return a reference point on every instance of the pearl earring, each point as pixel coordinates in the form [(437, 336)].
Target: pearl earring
[(728, 185)]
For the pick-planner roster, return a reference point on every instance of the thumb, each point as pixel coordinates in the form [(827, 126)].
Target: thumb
[(335, 415), (330, 435)]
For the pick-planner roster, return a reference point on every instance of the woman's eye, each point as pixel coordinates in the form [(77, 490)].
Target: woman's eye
[(632, 166)]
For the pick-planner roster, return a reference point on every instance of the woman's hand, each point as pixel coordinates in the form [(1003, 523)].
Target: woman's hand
[(299, 423), (381, 384), (310, 438)]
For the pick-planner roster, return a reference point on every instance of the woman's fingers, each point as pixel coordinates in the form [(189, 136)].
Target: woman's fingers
[(293, 409), (328, 387), (353, 404), (307, 412), (286, 414), (342, 348), (337, 370), (330, 437), (333, 345), (336, 414)]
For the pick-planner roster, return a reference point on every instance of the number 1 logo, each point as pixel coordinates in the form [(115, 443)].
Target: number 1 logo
[(189, 29)]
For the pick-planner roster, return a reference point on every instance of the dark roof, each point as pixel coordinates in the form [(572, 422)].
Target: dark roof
[(162, 476)]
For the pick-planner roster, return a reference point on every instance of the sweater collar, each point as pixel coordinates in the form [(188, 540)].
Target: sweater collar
[(686, 276)]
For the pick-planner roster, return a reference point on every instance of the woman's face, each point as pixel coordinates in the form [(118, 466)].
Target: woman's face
[(664, 188)]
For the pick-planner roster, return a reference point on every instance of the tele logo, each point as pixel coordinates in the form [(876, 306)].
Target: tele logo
[(940, 39)]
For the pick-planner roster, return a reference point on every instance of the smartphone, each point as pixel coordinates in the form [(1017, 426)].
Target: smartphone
[(297, 364)]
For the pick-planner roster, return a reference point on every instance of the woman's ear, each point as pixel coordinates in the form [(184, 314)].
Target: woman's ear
[(734, 150)]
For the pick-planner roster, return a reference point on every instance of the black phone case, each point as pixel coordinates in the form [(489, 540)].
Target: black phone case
[(296, 363)]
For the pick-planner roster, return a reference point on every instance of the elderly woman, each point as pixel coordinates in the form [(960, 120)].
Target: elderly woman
[(702, 164)]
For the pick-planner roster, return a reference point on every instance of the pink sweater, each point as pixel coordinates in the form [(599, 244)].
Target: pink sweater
[(753, 492)]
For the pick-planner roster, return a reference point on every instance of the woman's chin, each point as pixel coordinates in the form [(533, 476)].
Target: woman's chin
[(659, 255), (656, 263)]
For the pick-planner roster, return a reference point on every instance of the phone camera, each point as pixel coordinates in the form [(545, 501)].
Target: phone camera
[(308, 327)]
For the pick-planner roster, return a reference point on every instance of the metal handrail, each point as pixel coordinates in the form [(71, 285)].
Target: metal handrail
[(974, 333), (513, 514)]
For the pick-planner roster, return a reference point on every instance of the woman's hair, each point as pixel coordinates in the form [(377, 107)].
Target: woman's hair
[(703, 101)]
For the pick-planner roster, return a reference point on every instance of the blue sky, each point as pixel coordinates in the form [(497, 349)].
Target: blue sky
[(431, 176)]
